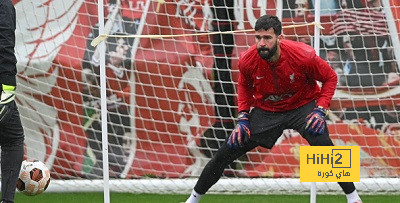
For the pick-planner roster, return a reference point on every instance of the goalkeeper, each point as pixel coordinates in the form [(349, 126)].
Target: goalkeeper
[(277, 90), (11, 131)]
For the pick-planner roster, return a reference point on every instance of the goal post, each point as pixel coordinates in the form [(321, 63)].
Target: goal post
[(171, 101)]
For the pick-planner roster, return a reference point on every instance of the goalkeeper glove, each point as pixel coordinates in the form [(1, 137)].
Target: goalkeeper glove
[(7, 104), (315, 121), (241, 134)]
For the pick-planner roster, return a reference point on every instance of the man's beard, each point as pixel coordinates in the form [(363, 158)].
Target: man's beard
[(271, 52)]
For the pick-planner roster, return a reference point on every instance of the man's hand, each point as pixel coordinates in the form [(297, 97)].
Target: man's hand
[(113, 102), (241, 134), (7, 104), (315, 121), (119, 55)]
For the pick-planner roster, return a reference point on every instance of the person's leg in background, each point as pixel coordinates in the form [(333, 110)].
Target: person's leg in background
[(12, 154)]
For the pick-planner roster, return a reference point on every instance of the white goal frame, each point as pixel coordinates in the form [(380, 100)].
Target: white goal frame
[(225, 185), (234, 185), (367, 186)]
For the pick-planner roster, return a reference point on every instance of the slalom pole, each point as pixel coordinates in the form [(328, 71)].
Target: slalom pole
[(317, 20), (104, 130)]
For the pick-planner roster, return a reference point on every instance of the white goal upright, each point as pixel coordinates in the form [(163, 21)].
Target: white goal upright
[(171, 98)]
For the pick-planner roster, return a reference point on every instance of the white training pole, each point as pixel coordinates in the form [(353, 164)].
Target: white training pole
[(317, 20), (104, 130), (279, 9)]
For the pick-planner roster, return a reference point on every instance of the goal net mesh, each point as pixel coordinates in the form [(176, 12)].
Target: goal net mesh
[(171, 101)]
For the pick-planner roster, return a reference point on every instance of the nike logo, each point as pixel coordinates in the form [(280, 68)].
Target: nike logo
[(259, 77)]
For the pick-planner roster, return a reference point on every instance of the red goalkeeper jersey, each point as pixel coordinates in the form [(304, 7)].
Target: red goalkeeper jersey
[(289, 83)]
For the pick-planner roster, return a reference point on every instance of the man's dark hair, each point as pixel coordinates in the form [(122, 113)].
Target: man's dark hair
[(266, 22)]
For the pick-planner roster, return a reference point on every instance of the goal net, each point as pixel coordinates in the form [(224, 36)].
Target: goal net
[(171, 101)]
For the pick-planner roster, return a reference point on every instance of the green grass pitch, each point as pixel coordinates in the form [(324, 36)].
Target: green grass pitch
[(210, 198)]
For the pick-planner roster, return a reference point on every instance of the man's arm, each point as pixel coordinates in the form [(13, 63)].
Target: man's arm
[(245, 90), (8, 60), (321, 71), (241, 134)]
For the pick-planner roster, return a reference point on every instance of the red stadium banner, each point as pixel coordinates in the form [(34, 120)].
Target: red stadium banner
[(171, 92)]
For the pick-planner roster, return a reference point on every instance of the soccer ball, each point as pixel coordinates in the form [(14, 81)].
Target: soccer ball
[(34, 177)]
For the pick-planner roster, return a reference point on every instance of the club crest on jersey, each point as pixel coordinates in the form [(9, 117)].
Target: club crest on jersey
[(291, 77)]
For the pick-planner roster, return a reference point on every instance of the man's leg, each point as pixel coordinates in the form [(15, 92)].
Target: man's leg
[(94, 142), (297, 122), (12, 154), (11, 159), (213, 170), (325, 140), (116, 132)]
